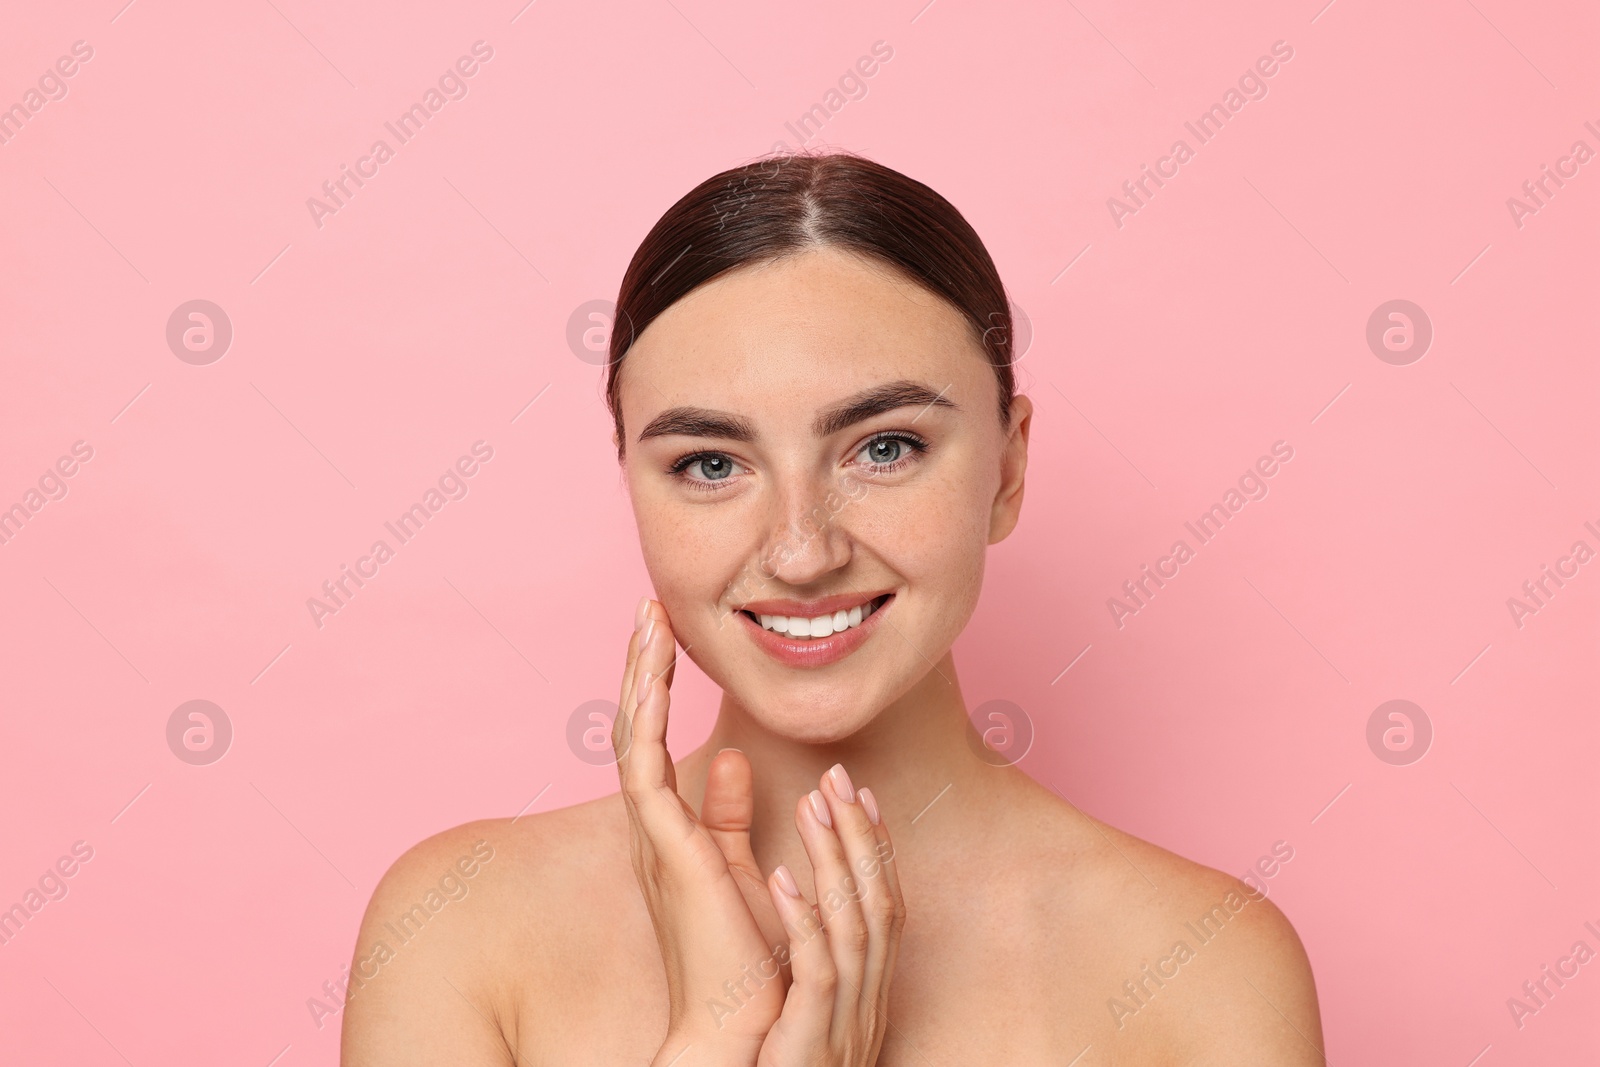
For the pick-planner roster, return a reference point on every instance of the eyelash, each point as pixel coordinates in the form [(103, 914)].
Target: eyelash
[(916, 445)]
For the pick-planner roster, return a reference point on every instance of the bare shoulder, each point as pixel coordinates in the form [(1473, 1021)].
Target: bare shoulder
[(456, 928), (1190, 959)]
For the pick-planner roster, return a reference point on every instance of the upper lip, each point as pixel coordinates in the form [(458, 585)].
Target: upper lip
[(810, 609)]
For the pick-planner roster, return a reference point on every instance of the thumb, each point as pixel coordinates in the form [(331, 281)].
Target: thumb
[(729, 807)]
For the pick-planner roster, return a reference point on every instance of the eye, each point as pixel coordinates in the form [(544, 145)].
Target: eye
[(703, 470), (891, 451)]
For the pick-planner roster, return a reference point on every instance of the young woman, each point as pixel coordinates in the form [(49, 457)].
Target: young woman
[(815, 415)]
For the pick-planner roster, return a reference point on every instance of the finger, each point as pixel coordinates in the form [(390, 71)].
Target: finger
[(880, 865), (842, 917), (729, 807), (808, 1009), (647, 775)]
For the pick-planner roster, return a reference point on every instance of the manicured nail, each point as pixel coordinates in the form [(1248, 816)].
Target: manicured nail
[(730, 748), (870, 802), (786, 881), (841, 783), (641, 612), (819, 807), (649, 628), (644, 688)]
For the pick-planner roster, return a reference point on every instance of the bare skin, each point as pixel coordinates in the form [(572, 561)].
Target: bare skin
[(1025, 919)]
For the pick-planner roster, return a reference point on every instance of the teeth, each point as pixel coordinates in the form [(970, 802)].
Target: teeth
[(820, 626)]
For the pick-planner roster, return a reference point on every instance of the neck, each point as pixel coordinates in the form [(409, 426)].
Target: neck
[(915, 756)]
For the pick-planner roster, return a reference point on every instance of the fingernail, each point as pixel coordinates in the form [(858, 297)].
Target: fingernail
[(841, 783), (641, 612), (786, 881), (644, 687), (870, 802), (819, 807), (730, 748), (649, 628)]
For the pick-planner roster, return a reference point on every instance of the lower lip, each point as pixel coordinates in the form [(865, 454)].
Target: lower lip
[(815, 653)]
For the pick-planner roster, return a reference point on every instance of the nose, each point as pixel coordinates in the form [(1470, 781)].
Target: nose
[(807, 536)]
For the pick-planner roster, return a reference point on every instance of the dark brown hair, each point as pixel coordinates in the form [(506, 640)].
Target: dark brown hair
[(787, 204)]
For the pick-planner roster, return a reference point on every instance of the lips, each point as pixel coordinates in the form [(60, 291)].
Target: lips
[(821, 644)]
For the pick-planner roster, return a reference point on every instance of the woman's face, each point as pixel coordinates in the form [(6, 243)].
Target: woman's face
[(806, 437)]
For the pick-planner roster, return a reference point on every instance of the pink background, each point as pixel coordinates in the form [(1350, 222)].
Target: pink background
[(1168, 354)]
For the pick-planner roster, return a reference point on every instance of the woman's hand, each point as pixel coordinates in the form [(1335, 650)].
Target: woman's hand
[(724, 985), (841, 950)]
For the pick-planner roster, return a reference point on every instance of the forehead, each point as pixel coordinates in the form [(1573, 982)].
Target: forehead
[(791, 335)]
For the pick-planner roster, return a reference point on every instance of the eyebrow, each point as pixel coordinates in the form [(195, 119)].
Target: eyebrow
[(705, 422)]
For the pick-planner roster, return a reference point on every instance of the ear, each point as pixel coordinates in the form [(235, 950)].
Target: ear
[(1013, 465)]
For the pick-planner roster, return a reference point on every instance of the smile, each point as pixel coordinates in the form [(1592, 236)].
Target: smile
[(813, 634)]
